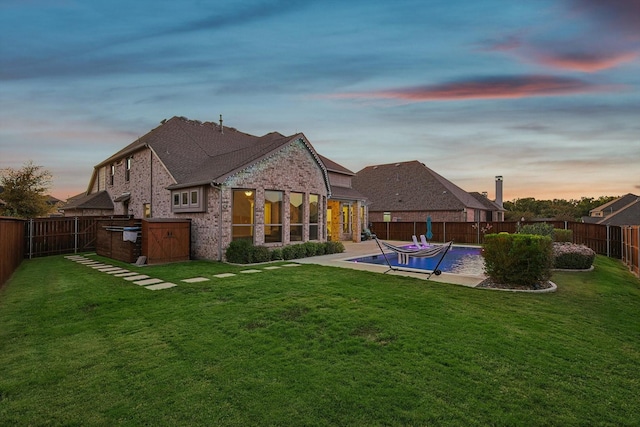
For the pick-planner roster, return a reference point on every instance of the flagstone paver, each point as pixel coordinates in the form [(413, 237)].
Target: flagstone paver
[(291, 265), (109, 269), (250, 271), (134, 278), (97, 266), (128, 274), (147, 282), (196, 280), (118, 271), (164, 285), (273, 267), (223, 275)]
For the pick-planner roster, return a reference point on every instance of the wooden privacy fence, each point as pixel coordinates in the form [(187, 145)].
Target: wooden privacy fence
[(603, 239), (630, 252), (54, 236), (11, 246)]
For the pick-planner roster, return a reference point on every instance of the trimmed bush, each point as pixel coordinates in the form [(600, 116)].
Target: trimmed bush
[(560, 235), (260, 254), (276, 254), (518, 259), (243, 251), (538, 229), (239, 252), (572, 256)]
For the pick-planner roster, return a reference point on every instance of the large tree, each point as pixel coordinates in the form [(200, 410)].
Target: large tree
[(24, 190)]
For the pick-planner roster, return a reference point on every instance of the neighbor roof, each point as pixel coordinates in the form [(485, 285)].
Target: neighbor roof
[(197, 153), (410, 186), (628, 215), (100, 200), (614, 205), (489, 204)]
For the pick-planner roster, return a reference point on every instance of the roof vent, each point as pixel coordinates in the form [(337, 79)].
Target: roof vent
[(221, 128), (397, 164)]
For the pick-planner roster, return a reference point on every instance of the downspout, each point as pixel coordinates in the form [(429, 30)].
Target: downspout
[(150, 182)]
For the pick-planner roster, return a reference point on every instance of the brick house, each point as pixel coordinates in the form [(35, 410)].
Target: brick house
[(272, 189), (410, 191)]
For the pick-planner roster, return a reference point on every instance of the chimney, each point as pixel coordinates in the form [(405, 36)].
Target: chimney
[(221, 128), (499, 190)]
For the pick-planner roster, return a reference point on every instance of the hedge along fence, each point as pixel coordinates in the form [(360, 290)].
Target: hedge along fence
[(603, 239), (11, 246)]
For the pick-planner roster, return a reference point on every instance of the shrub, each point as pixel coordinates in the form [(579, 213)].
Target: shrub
[(518, 259), (276, 254), (294, 251), (310, 248), (333, 247), (260, 254), (239, 252), (572, 256), (560, 235), (537, 229)]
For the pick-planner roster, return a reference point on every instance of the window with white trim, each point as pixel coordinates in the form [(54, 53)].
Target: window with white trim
[(188, 200)]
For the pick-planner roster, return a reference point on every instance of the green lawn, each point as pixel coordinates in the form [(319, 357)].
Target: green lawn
[(314, 345)]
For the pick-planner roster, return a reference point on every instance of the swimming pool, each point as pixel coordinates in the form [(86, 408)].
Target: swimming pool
[(465, 260)]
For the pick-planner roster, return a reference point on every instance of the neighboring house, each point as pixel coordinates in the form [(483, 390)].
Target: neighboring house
[(272, 189), (92, 204), (410, 191), (346, 209), (624, 210)]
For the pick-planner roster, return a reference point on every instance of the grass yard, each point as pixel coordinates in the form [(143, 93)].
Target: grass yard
[(315, 346)]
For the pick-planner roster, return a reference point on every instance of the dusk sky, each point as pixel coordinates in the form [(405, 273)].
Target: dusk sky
[(545, 93)]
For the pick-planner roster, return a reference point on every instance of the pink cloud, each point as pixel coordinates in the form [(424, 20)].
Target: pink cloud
[(485, 88), (585, 62)]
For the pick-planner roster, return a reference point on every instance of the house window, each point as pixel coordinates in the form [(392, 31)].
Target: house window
[(112, 173), (243, 214), (147, 210), (313, 217), (296, 216), (127, 170), (273, 216), (190, 200), (346, 218)]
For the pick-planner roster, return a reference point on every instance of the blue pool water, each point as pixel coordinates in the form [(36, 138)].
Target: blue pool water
[(459, 260)]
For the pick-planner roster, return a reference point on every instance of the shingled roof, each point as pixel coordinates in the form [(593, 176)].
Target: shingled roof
[(197, 153), (410, 186), (100, 200)]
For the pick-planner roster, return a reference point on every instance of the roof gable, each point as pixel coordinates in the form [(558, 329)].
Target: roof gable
[(410, 186), (198, 153), (614, 205)]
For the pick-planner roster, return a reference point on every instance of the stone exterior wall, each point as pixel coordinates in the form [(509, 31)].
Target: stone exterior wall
[(292, 169)]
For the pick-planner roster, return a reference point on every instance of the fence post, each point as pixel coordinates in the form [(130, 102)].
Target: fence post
[(566, 225), (608, 242), (75, 235), (30, 238), (444, 231)]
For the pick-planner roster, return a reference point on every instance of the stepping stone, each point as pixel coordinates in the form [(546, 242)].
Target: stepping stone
[(137, 277), (250, 271), (223, 275), (196, 280), (273, 267), (89, 262), (97, 266), (75, 257), (127, 274), (118, 271), (148, 282), (291, 265), (108, 269), (164, 285)]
